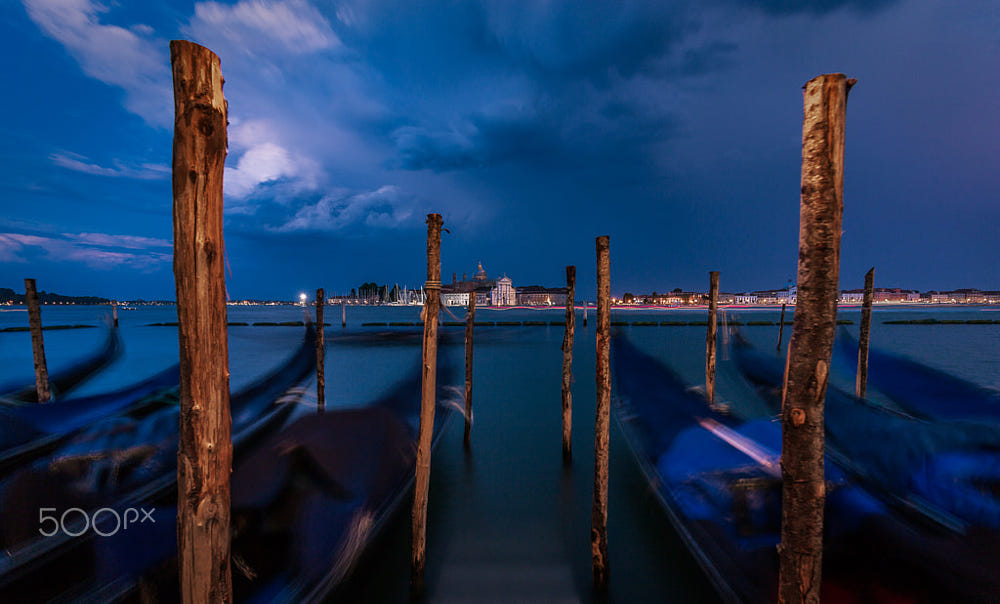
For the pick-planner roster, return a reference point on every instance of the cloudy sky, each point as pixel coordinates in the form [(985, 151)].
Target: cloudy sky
[(533, 127)]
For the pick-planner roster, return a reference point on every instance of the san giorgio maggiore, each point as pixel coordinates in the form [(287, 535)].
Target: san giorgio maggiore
[(498, 292)]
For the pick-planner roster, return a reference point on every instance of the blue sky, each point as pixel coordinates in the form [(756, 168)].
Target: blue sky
[(533, 127)]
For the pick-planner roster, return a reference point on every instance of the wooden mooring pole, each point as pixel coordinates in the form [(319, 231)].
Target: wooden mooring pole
[(599, 511), (205, 454), (821, 215), (567, 367), (710, 337), (427, 401), (343, 314), (861, 385), (114, 313), (320, 353), (37, 342), (470, 321), (584, 313), (781, 327)]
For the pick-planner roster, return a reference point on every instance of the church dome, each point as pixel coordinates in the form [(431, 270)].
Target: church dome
[(481, 274)]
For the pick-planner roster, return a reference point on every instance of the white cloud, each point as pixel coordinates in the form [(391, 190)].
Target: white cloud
[(125, 58), (294, 26), (385, 207), (266, 163), (95, 250), (126, 241), (264, 160), (80, 163)]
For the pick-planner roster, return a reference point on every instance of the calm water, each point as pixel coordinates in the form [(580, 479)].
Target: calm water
[(507, 521)]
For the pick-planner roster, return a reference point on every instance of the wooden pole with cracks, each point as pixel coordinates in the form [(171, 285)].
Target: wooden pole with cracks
[(567, 366), (427, 402), (861, 384), (42, 389), (470, 322), (320, 354), (821, 215), (205, 452), (710, 336), (599, 511)]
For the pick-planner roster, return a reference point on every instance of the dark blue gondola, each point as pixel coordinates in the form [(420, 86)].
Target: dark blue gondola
[(120, 462), (921, 390), (306, 501), (942, 474), (29, 431), (719, 481), (65, 380)]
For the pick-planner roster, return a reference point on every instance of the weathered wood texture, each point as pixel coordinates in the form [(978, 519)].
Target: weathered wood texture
[(567, 367), (320, 353), (204, 458), (711, 335), (37, 341), (861, 383), (599, 511), (432, 305), (811, 346), (781, 327), (470, 321)]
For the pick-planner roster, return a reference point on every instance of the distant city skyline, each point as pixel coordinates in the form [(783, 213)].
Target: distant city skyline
[(675, 128)]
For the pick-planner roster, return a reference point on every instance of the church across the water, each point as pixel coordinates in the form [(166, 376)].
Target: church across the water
[(488, 292)]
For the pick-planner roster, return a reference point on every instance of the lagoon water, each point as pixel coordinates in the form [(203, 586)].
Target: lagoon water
[(507, 522)]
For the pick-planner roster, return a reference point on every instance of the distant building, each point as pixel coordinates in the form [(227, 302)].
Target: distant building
[(502, 293), (968, 296), (852, 296), (745, 298), (536, 295)]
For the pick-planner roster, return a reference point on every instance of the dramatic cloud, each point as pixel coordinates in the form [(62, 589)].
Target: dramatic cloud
[(653, 122), (262, 161), (127, 58), (94, 250), (386, 207)]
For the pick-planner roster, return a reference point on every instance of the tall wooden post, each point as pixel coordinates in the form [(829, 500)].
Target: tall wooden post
[(567, 367), (584, 313), (427, 401), (821, 215), (343, 314), (320, 353), (114, 312), (37, 342), (861, 385), (205, 455), (781, 327), (710, 337), (599, 511), (470, 321)]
